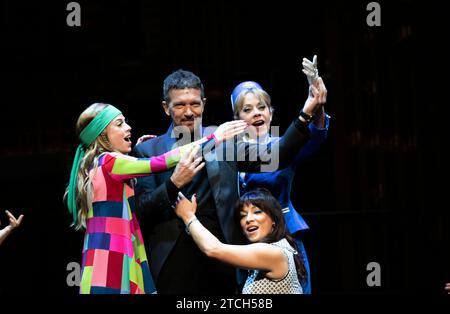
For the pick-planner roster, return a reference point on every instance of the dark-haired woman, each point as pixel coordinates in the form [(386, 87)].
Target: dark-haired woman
[(271, 256)]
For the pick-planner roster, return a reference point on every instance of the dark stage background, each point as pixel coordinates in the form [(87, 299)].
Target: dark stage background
[(373, 193)]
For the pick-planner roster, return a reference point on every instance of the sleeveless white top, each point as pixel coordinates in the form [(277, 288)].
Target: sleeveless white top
[(257, 283)]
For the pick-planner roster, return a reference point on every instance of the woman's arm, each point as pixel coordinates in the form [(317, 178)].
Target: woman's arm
[(260, 256), (317, 138), (122, 167), (317, 94)]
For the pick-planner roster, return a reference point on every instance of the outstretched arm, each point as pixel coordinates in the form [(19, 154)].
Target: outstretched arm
[(314, 107), (260, 256), (123, 167), (13, 223)]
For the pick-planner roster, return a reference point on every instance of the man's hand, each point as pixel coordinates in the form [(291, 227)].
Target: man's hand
[(187, 168)]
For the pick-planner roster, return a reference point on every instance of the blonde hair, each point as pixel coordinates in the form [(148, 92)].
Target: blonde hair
[(262, 95), (89, 161)]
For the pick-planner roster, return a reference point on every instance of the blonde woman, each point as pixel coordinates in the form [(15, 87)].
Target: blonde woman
[(100, 197), (251, 103), (271, 255)]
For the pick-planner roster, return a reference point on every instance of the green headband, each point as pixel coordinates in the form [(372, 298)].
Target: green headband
[(87, 137)]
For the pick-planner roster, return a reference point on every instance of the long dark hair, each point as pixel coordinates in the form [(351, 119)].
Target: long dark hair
[(265, 201)]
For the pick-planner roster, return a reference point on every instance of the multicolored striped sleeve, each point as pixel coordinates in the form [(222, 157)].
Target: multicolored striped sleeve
[(123, 167)]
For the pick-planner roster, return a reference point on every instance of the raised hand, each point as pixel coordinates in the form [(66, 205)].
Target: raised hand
[(317, 97), (310, 70), (13, 222), (229, 129)]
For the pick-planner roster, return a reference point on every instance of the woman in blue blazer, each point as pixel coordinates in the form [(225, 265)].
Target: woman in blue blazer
[(251, 103)]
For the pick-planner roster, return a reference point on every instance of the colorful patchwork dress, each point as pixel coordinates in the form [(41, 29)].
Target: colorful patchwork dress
[(114, 259)]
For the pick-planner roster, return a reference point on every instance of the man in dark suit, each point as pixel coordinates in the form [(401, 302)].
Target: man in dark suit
[(177, 265)]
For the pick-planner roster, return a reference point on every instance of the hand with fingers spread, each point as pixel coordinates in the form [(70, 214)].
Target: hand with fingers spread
[(144, 138), (228, 130), (13, 223), (188, 166), (447, 287)]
